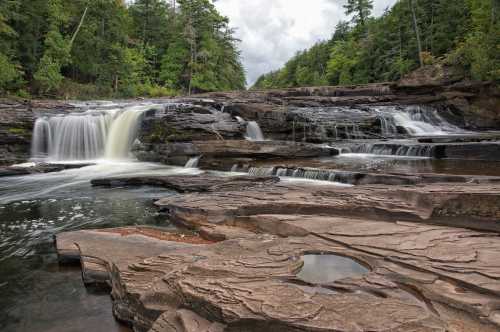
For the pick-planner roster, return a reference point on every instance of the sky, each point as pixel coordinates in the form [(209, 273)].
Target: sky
[(272, 31)]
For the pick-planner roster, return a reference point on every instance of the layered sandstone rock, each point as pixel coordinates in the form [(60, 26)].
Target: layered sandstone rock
[(423, 271)]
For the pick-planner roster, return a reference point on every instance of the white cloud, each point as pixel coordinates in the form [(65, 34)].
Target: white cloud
[(272, 31)]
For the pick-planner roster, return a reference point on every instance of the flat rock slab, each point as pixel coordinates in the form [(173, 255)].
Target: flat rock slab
[(212, 150), (192, 183), (475, 206), (419, 279)]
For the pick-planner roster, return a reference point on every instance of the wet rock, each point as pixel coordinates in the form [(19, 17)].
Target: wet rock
[(216, 151), (191, 183), (186, 123)]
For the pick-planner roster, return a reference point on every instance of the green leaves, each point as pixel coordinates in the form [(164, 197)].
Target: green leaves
[(117, 49), (467, 32)]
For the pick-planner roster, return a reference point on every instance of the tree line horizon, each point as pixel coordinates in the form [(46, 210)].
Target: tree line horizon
[(84, 49)]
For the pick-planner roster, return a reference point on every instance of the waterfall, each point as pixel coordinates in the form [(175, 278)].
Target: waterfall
[(122, 134), (254, 133), (41, 137), (424, 121), (93, 134), (193, 162)]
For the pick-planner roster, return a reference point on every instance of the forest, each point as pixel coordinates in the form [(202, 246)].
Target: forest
[(115, 48), (464, 34)]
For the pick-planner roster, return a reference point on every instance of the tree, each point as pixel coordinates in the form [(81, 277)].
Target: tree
[(361, 9), (56, 54), (9, 71), (417, 31)]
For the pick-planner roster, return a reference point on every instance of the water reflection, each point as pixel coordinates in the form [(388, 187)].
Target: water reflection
[(321, 269), (35, 293)]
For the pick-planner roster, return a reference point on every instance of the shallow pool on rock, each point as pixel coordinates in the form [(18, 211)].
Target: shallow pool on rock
[(322, 269)]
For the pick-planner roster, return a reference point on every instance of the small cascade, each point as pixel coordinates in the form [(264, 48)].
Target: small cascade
[(305, 173), (403, 150), (240, 120), (42, 136), (358, 122), (388, 125), (193, 162), (424, 121), (262, 171), (108, 133), (254, 133)]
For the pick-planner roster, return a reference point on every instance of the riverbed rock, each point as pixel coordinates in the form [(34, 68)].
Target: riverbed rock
[(182, 122), (475, 206), (191, 183), (227, 152), (421, 278)]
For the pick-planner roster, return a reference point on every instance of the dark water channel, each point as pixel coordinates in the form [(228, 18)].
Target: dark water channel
[(36, 294)]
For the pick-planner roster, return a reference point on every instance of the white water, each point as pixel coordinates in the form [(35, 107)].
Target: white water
[(62, 184), (193, 162), (422, 124), (93, 134), (254, 133), (417, 121)]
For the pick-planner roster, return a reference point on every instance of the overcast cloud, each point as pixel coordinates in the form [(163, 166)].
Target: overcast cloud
[(272, 31)]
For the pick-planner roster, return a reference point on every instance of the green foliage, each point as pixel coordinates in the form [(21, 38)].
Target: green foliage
[(107, 48), (8, 73), (465, 32), (360, 8), (479, 53)]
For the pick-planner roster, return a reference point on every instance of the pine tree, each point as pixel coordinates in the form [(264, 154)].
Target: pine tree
[(361, 9)]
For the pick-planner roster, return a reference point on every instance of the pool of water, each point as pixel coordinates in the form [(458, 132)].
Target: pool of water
[(36, 294), (323, 269)]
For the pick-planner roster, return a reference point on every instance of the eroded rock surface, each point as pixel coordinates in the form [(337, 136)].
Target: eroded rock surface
[(470, 205), (242, 274)]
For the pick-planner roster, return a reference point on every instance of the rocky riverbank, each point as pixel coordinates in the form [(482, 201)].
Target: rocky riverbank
[(418, 274)]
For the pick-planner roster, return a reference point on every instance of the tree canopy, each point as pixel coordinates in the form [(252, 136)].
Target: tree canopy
[(462, 33), (90, 48)]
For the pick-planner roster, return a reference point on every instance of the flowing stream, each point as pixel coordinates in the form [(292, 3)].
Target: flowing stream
[(36, 294)]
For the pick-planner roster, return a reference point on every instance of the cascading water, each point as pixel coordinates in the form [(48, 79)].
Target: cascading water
[(123, 133), (71, 137), (90, 135), (419, 121), (392, 149), (193, 162), (254, 133)]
